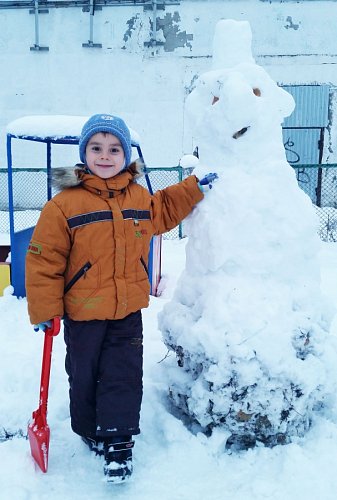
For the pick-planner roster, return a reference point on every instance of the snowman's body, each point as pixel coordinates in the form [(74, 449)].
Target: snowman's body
[(247, 320)]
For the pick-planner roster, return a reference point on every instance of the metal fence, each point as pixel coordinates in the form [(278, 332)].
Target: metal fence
[(320, 184), (30, 194), (30, 186)]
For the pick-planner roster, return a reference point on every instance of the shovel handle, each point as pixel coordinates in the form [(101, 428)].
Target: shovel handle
[(46, 363), (45, 372)]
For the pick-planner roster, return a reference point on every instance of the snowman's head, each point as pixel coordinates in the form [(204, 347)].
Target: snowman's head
[(239, 104)]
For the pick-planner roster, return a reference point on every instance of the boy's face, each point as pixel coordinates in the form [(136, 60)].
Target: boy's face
[(104, 155)]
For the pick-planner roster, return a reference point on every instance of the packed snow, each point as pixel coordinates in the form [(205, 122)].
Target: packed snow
[(170, 462), (52, 126)]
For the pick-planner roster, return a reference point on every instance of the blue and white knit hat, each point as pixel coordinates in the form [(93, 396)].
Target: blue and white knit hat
[(106, 123)]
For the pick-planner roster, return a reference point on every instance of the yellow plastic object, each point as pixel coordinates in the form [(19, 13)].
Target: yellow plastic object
[(5, 276)]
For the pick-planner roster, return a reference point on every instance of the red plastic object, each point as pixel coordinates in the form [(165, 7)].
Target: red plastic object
[(38, 429)]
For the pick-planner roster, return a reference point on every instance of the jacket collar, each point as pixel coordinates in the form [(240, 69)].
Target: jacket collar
[(106, 188)]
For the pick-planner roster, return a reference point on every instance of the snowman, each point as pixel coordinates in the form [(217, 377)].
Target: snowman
[(247, 322)]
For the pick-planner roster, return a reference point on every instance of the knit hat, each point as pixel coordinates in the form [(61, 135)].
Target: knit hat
[(106, 123)]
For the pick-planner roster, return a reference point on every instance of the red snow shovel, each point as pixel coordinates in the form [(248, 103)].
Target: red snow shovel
[(38, 429)]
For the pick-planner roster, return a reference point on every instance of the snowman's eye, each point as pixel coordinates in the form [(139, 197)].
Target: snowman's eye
[(257, 92), (215, 99)]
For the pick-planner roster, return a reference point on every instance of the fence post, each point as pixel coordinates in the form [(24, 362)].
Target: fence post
[(180, 230), (10, 186)]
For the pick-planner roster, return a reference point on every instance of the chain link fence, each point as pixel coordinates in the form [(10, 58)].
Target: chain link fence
[(4, 215), (30, 194), (161, 178), (319, 182)]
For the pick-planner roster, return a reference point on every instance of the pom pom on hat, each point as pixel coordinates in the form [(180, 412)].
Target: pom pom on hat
[(110, 124)]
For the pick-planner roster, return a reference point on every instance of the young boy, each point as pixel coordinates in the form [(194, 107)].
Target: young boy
[(87, 263)]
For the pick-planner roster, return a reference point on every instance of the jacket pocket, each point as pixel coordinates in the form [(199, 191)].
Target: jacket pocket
[(142, 261), (77, 276)]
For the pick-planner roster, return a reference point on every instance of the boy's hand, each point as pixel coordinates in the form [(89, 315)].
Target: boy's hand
[(52, 326), (205, 184), (42, 326)]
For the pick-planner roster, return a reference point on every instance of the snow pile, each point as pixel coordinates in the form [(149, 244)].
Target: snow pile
[(247, 320)]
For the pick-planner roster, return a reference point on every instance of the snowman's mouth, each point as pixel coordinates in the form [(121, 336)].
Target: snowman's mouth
[(240, 132)]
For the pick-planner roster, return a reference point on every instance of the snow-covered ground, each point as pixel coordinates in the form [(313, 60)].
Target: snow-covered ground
[(169, 462)]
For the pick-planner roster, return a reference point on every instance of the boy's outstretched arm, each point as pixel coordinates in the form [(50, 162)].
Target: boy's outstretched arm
[(172, 204)]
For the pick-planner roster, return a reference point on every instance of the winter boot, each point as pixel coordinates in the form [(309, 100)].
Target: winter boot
[(96, 446), (118, 458)]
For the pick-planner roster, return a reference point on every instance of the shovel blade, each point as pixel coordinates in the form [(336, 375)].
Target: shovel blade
[(39, 436)]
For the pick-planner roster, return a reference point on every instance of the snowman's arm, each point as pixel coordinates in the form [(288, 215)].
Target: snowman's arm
[(172, 204)]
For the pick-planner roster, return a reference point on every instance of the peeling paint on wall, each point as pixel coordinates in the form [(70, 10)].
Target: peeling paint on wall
[(174, 38), (191, 86), (131, 27), (132, 36), (290, 24)]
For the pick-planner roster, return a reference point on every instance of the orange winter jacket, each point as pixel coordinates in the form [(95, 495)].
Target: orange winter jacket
[(89, 251)]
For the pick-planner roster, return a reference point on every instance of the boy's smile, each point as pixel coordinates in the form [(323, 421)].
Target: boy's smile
[(104, 155)]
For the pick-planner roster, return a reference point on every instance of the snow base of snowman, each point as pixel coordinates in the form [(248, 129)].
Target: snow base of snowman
[(245, 411)]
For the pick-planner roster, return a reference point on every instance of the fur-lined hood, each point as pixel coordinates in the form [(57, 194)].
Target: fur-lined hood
[(68, 177)]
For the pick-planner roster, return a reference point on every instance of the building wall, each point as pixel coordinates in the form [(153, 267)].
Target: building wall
[(147, 85)]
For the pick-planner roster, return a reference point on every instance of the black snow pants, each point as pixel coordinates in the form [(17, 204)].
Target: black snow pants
[(104, 363)]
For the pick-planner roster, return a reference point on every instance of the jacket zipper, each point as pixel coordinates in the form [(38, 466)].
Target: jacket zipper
[(77, 276), (144, 265)]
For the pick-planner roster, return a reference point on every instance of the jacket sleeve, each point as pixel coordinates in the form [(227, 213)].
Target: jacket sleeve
[(46, 262), (172, 204)]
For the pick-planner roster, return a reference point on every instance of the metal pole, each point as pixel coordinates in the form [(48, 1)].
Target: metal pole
[(180, 227), (319, 171), (49, 191), (36, 8), (154, 22), (36, 45), (91, 43), (91, 36), (10, 187)]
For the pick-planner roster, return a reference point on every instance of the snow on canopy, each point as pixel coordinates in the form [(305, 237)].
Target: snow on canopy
[(56, 126), (247, 321)]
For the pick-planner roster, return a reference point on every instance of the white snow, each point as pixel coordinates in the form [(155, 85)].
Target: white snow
[(232, 44), (188, 161), (56, 126), (169, 461)]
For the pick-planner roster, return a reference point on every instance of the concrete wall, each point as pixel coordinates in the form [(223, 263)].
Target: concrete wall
[(295, 41)]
